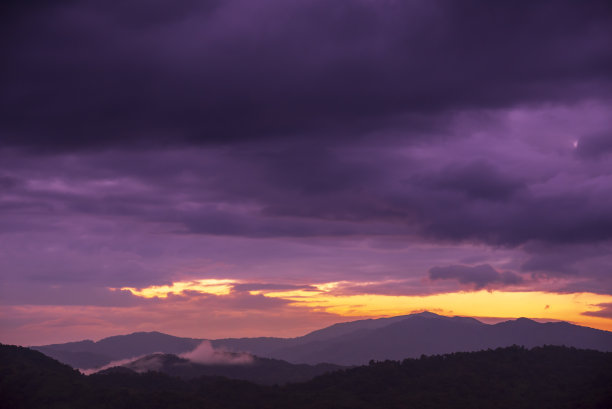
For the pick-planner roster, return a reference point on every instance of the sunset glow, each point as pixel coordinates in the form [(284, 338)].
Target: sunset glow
[(496, 304), (206, 286)]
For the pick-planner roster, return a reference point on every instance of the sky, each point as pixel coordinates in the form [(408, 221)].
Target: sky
[(245, 168)]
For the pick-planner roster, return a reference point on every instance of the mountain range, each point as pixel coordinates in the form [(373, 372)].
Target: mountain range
[(88, 354), (350, 343)]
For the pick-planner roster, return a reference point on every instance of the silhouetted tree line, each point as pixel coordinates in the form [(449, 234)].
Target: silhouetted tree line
[(514, 377)]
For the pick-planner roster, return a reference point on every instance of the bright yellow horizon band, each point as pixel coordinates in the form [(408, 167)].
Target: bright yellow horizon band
[(498, 304)]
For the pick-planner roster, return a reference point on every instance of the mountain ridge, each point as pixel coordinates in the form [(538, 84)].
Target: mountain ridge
[(350, 343)]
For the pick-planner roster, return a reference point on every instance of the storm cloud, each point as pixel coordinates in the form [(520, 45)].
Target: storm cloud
[(396, 147), (88, 74), (480, 276)]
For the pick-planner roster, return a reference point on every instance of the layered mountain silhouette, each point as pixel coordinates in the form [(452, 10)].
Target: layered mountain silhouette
[(89, 354), (410, 336), (263, 371), (351, 343)]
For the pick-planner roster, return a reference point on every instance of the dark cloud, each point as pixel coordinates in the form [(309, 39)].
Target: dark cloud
[(476, 180), (87, 74), (315, 170), (588, 284), (594, 146), (569, 259), (318, 191), (8, 183), (479, 276), (605, 311), (574, 214), (36, 293)]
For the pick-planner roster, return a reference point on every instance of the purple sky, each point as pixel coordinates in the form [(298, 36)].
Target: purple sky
[(401, 147)]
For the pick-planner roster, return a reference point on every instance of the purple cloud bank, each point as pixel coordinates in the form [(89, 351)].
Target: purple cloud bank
[(431, 144), (479, 276), (85, 74)]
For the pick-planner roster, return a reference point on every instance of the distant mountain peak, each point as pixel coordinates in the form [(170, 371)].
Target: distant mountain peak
[(88, 354), (427, 314), (523, 320)]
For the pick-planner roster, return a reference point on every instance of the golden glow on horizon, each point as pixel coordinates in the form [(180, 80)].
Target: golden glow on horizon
[(207, 286), (501, 304), (328, 297), (329, 286)]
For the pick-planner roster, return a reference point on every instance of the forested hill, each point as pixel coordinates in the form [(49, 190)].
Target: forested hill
[(513, 377)]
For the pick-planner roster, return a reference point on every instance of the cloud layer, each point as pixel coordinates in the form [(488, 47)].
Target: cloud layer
[(206, 354), (480, 276), (398, 147)]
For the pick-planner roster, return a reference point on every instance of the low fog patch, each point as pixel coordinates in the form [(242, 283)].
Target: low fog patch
[(112, 364), (206, 354), (202, 354)]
